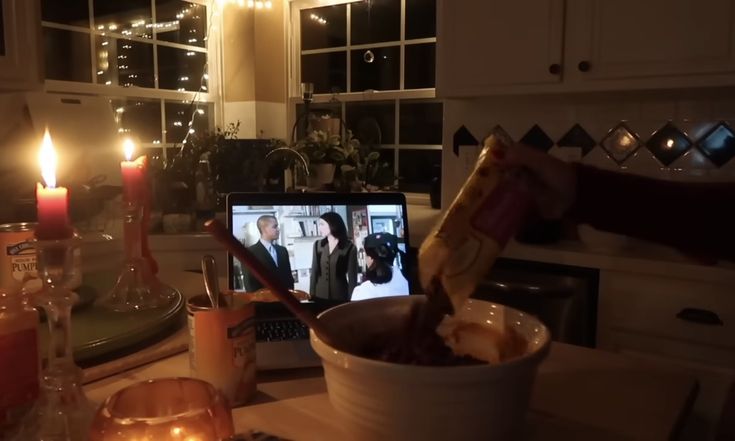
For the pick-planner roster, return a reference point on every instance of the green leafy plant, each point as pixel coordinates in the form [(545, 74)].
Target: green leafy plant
[(319, 147), (174, 178), (358, 166), (362, 164)]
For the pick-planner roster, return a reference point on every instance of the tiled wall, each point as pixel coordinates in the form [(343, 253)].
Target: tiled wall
[(683, 135)]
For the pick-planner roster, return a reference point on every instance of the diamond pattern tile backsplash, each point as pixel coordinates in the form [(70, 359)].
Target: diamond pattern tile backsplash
[(620, 143), (686, 134), (718, 144), (668, 144), (537, 138), (577, 136)]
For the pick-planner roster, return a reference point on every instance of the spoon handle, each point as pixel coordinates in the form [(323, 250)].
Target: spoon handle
[(209, 271)]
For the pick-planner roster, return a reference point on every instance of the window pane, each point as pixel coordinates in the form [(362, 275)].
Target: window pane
[(323, 27), (179, 69), (139, 118), (420, 19), (375, 21), (372, 122), (181, 22), (178, 116), (67, 55), (416, 169), (332, 110), (328, 71), (377, 68), (420, 122), (388, 164), (420, 66), (70, 12), (130, 17), (124, 62)]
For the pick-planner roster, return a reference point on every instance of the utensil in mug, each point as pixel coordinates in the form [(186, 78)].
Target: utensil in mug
[(211, 284)]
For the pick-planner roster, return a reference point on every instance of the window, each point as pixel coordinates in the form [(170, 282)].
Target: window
[(151, 58), (372, 65)]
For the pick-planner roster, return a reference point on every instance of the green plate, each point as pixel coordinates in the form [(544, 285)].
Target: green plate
[(87, 295), (97, 333)]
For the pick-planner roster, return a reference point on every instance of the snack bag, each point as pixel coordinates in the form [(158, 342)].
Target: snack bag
[(487, 212)]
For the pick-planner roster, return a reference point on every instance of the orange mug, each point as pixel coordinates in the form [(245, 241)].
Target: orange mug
[(222, 346)]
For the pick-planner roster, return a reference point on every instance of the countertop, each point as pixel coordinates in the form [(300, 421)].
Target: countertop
[(580, 393)]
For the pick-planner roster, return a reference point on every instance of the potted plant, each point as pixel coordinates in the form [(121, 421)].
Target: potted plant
[(362, 169), (338, 163), (207, 167), (324, 153)]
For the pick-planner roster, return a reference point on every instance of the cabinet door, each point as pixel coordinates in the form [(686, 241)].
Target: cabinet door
[(483, 45), (633, 39)]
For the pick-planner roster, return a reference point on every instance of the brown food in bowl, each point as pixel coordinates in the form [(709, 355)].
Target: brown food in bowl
[(462, 343), (486, 342)]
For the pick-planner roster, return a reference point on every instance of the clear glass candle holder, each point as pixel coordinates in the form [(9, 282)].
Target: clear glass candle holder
[(137, 287), (164, 409), (62, 411)]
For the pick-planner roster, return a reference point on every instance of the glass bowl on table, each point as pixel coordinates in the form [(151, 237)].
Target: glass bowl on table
[(164, 409), (387, 400)]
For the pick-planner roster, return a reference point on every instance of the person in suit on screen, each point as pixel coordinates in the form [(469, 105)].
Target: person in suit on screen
[(275, 257), (334, 261)]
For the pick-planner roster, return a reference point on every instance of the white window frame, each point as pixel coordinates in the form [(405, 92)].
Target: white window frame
[(213, 48), (294, 76), (20, 65)]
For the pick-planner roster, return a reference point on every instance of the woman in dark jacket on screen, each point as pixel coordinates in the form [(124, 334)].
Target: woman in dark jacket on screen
[(334, 263)]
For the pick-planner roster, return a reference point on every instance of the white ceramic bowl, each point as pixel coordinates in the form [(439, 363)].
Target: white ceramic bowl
[(385, 401)]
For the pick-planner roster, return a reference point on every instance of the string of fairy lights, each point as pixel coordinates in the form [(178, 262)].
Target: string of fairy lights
[(140, 28), (203, 85), (251, 4)]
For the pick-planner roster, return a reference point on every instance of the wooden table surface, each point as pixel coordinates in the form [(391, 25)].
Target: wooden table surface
[(579, 393)]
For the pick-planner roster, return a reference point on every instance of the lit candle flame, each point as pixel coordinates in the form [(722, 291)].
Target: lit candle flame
[(128, 148), (48, 160)]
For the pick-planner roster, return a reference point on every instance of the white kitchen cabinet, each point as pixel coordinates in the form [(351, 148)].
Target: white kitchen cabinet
[(494, 47), (20, 45), (686, 323), (483, 45), (631, 39)]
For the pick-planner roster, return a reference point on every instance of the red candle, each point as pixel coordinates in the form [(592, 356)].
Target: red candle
[(133, 174), (51, 202)]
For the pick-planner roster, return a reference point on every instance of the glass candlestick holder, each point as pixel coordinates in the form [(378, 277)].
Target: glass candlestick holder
[(62, 411), (137, 287)]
